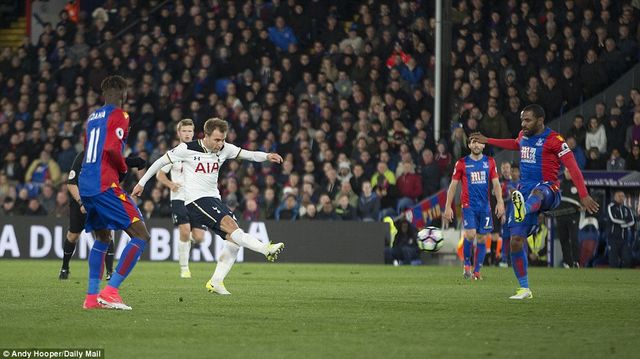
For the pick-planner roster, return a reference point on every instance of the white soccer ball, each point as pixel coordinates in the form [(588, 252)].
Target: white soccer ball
[(430, 239)]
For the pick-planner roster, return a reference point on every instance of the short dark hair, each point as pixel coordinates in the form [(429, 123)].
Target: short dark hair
[(113, 83), (537, 110)]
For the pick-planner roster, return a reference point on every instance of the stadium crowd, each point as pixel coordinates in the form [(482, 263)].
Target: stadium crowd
[(343, 90)]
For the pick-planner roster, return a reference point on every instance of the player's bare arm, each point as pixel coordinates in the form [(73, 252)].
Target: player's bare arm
[(164, 179), (477, 136), (451, 193), (497, 191)]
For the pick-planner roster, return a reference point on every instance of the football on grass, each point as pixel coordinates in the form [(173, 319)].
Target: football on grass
[(430, 239)]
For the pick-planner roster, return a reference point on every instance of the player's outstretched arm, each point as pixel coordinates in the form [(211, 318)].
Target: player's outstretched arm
[(155, 167), (259, 156), (506, 143), (569, 161)]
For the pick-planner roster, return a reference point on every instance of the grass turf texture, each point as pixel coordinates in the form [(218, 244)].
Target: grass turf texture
[(339, 311)]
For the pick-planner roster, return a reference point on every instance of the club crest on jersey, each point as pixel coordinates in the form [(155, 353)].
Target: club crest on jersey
[(540, 142), (528, 154), (485, 165), (207, 167), (478, 177)]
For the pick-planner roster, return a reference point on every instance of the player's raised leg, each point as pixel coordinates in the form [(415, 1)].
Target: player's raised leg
[(241, 238), (544, 196)]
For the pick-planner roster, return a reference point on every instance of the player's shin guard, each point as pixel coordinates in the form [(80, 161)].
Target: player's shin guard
[(246, 240), (108, 259), (68, 249), (128, 260), (96, 265), (183, 253), (481, 251), (467, 246), (225, 262), (519, 263)]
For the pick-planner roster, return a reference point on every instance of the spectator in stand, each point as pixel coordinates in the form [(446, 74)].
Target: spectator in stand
[(345, 210), (326, 212), (595, 161), (633, 159), (410, 187), (615, 132), (616, 162), (268, 204), (288, 210), (578, 152), (43, 169), (34, 208), (8, 207), (578, 131), (596, 136), (633, 132), (281, 35), (368, 204)]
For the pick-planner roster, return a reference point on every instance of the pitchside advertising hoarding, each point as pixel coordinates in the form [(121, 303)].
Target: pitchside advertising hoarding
[(305, 241)]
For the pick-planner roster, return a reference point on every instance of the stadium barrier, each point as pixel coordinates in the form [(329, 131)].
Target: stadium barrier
[(306, 241)]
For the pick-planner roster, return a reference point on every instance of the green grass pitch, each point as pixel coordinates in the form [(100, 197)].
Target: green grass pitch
[(326, 311)]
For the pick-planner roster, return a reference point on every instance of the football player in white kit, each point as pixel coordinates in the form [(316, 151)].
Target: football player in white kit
[(179, 214), (201, 162)]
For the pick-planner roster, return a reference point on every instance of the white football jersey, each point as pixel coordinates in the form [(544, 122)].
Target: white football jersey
[(200, 167), (177, 176)]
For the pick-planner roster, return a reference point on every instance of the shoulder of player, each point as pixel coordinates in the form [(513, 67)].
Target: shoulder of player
[(229, 151), (195, 146), (554, 139), (117, 112)]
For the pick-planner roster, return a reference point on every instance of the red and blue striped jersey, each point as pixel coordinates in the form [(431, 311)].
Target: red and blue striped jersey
[(476, 177), (540, 158), (107, 130)]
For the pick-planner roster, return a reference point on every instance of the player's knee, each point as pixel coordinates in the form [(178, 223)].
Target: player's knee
[(470, 234), (184, 233), (228, 224), (73, 237), (482, 238), (516, 243), (198, 235)]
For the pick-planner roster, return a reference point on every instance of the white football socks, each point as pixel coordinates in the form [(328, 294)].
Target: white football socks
[(225, 262), (246, 240), (183, 253)]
